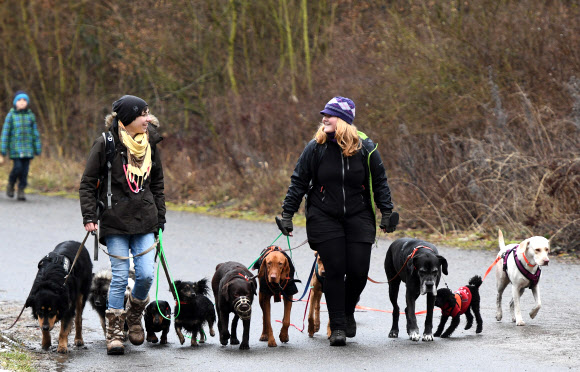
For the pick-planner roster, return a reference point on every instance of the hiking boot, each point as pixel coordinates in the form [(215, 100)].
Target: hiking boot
[(135, 309), (338, 338), (21, 196), (10, 190), (115, 319), (350, 326)]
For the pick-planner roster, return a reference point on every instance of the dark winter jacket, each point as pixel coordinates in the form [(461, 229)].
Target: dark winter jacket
[(342, 191), (131, 213)]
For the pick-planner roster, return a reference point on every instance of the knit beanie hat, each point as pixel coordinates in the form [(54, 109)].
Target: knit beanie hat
[(19, 95), (128, 108), (341, 107)]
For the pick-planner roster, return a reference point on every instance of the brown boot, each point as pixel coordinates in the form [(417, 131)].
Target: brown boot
[(135, 309), (115, 320), (21, 196)]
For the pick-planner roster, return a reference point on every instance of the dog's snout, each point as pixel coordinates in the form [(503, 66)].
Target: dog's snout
[(45, 327)]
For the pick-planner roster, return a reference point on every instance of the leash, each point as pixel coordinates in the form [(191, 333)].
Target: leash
[(490, 267), (155, 243), (306, 287), (407, 260), (76, 257), (304, 318), (163, 262)]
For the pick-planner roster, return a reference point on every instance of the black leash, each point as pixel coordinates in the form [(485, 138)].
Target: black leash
[(76, 257)]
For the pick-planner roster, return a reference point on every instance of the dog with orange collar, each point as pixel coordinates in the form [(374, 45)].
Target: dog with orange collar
[(454, 304)]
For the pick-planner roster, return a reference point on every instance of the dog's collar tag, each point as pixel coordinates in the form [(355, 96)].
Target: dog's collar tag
[(244, 276)]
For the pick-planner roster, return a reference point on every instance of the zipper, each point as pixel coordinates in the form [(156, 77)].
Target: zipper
[(343, 193)]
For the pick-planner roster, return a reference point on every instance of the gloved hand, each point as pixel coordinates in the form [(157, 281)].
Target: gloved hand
[(159, 226), (285, 223), (389, 221)]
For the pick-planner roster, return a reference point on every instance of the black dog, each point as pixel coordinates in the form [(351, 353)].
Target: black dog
[(234, 288), (195, 310), (154, 322), (52, 301), (99, 293), (418, 264), (463, 301)]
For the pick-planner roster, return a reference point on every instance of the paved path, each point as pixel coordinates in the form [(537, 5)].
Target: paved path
[(195, 244)]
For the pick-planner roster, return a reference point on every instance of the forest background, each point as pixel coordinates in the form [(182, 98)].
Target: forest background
[(475, 104)]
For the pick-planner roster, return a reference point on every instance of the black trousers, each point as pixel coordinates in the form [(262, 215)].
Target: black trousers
[(346, 268)]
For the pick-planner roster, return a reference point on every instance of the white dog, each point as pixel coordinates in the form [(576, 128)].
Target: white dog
[(519, 264)]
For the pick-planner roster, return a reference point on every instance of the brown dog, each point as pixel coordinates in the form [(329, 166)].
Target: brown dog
[(276, 276), (317, 283)]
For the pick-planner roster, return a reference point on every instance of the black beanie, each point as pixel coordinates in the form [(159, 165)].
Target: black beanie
[(128, 108)]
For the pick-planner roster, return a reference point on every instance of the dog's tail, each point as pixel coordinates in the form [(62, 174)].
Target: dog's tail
[(201, 287), (476, 281), (500, 240)]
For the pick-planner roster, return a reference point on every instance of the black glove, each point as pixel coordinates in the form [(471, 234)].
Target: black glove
[(285, 223), (389, 221), (160, 226)]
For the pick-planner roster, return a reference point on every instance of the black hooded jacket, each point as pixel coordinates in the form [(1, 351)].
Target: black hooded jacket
[(131, 213), (341, 191)]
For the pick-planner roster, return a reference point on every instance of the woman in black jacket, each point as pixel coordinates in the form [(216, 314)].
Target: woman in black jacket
[(344, 177), (132, 215)]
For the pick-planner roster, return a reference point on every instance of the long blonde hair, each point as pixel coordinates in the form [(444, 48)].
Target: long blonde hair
[(346, 136)]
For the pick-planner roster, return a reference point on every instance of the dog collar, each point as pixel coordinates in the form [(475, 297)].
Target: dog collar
[(244, 276), (526, 259)]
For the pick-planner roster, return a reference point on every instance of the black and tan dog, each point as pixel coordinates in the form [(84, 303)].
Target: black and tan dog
[(276, 276), (419, 265), (52, 300), (233, 288), (156, 321), (194, 309), (463, 301)]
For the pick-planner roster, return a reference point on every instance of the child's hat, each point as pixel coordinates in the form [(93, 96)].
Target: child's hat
[(341, 107), (19, 95)]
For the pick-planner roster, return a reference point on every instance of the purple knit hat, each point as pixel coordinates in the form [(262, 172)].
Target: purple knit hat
[(341, 107)]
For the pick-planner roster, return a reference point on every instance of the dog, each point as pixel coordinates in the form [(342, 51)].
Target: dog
[(194, 309), (419, 265), (522, 271), (155, 322), (99, 293), (463, 301), (52, 300), (233, 288), (317, 284), (276, 278)]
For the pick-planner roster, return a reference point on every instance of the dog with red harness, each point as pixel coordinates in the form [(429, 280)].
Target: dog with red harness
[(455, 304)]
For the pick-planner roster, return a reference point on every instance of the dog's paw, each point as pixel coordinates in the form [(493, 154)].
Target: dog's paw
[(62, 349), (284, 337), (152, 338), (478, 329), (244, 346), (272, 343), (445, 335), (264, 337), (521, 323), (163, 340), (437, 334), (211, 332), (234, 341), (414, 336), (194, 342), (79, 342), (428, 337), (468, 326), (394, 334), (534, 312), (181, 339)]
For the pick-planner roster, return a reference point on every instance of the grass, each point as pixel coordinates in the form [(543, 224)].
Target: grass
[(14, 359)]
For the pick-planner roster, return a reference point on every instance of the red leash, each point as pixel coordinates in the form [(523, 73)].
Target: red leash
[(489, 269), (306, 308)]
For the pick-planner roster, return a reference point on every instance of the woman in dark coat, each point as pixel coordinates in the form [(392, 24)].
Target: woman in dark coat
[(343, 176), (132, 215)]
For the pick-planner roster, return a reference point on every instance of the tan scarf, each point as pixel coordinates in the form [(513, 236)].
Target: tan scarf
[(138, 157)]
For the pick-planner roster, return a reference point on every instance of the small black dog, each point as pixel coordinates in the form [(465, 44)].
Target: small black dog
[(419, 265), (462, 301), (234, 288), (99, 293), (195, 310), (52, 301), (154, 322)]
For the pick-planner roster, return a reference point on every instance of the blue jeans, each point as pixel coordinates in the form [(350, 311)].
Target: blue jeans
[(20, 172), (120, 245)]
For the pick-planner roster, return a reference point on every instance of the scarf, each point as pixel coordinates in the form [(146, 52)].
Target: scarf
[(138, 158)]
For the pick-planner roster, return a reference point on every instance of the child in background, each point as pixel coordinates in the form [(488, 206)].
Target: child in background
[(20, 141)]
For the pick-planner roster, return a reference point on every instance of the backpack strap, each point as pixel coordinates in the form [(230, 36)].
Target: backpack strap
[(110, 154)]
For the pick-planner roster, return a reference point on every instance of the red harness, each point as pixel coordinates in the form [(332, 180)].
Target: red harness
[(462, 302)]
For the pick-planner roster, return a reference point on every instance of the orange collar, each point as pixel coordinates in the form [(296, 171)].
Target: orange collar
[(526, 259)]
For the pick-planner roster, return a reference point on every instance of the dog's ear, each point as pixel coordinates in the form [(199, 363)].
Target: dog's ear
[(29, 302), (262, 271), (285, 270), (411, 263), (177, 284), (523, 246), (443, 263), (225, 293)]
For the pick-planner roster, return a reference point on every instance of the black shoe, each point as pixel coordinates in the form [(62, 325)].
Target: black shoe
[(338, 338), (21, 196), (350, 326)]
